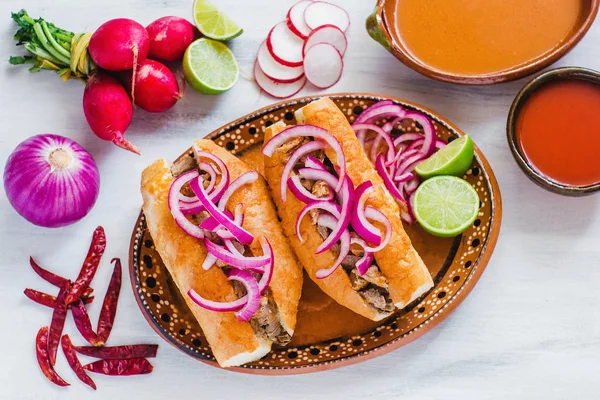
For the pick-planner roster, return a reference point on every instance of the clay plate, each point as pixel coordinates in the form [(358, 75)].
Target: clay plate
[(380, 30), (328, 335)]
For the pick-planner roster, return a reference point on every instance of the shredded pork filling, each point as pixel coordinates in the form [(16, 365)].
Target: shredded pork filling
[(372, 286), (265, 322)]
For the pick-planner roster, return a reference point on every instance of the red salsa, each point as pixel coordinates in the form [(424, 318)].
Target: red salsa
[(558, 130)]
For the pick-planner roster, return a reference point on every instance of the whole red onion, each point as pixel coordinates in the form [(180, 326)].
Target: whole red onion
[(51, 180)]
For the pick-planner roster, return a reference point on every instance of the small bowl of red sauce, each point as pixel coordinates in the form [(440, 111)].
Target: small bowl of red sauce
[(554, 130)]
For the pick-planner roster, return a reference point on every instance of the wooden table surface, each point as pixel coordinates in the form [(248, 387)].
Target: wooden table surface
[(530, 329)]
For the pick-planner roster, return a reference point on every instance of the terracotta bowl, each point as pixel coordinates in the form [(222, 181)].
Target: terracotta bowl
[(327, 334), (566, 73), (382, 30)]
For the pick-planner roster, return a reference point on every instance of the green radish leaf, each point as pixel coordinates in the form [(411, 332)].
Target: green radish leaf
[(17, 60)]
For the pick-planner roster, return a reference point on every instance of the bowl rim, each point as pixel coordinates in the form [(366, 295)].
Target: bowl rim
[(514, 73), (553, 75)]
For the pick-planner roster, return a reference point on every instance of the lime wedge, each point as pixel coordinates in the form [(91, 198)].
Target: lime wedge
[(445, 205), (454, 159), (213, 23), (210, 67)]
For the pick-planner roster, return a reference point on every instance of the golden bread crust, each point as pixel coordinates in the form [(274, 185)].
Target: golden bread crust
[(398, 261), (337, 285), (260, 219), (183, 256)]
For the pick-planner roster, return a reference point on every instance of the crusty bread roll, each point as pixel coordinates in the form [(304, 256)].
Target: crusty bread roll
[(260, 219), (337, 285), (408, 276), (233, 342)]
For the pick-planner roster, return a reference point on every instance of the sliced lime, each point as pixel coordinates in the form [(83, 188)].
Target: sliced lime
[(210, 67), (454, 159), (213, 23), (445, 205)]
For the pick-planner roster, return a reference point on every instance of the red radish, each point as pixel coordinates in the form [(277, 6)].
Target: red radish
[(156, 88), (170, 37), (108, 109), (275, 71), (295, 19), (284, 46), (327, 34), (272, 88), (321, 13), (323, 65), (118, 43)]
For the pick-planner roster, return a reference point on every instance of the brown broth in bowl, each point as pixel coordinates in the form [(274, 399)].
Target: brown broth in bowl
[(478, 37)]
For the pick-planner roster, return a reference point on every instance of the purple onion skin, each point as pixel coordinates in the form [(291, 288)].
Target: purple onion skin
[(51, 197)]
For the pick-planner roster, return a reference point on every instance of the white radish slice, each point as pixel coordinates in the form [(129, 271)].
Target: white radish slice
[(284, 46), (276, 71), (295, 19), (275, 89), (322, 13), (323, 65), (327, 34)]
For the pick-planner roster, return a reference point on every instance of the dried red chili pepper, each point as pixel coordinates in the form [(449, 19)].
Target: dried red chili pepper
[(58, 322), (42, 298), (109, 306), (73, 360), (87, 292), (119, 352), (47, 275), (83, 323), (48, 300), (41, 351), (131, 366), (90, 266)]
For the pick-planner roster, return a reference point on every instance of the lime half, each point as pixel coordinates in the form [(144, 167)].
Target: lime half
[(445, 205), (213, 23), (210, 67), (454, 159)]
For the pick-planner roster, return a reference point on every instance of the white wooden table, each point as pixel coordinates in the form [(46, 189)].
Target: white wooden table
[(530, 329)]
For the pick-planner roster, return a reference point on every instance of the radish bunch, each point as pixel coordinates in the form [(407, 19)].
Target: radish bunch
[(308, 46), (123, 45), (115, 61)]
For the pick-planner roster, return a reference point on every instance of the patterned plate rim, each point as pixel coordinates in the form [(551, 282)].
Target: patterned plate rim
[(433, 320)]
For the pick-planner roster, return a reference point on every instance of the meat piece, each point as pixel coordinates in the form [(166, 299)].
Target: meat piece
[(240, 247), (266, 324), (350, 261), (185, 164), (319, 155), (335, 249), (308, 184), (221, 264), (200, 217), (324, 232), (291, 145), (186, 190), (358, 283), (206, 180), (314, 215), (374, 276), (377, 300), (321, 189), (213, 237), (238, 288), (357, 250)]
